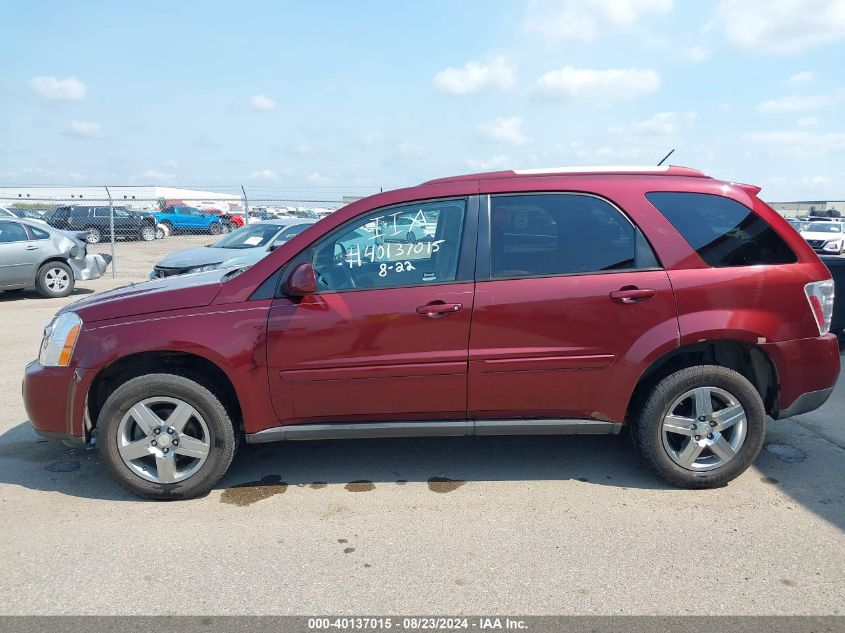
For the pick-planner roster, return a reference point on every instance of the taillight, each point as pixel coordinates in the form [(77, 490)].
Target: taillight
[(820, 297)]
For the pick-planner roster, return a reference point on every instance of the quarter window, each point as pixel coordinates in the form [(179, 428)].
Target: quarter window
[(541, 235), (722, 231), (410, 245)]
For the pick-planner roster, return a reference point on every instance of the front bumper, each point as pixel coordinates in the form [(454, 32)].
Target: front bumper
[(807, 372), (92, 267), (54, 398)]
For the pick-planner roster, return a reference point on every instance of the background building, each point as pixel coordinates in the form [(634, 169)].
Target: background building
[(134, 197)]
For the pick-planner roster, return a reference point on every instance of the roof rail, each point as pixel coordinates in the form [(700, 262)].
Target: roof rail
[(642, 170)]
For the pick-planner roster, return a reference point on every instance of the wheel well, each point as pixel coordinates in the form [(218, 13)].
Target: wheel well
[(191, 366), (744, 358), (61, 260)]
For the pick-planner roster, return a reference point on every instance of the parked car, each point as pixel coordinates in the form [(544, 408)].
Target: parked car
[(549, 301), (33, 254), (836, 265), (242, 247), (189, 220), (228, 221), (28, 214), (825, 237), (96, 221)]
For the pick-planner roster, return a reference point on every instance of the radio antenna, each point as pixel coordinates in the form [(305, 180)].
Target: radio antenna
[(672, 151)]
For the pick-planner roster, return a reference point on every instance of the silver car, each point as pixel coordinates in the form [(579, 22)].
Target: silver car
[(35, 254), (241, 247)]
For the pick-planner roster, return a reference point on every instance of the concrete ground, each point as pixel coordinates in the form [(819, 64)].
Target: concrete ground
[(534, 525)]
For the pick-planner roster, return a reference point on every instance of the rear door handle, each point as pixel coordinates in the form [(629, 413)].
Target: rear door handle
[(437, 309), (632, 294)]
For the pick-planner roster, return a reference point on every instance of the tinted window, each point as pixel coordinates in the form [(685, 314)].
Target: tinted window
[(410, 245), (722, 231), (38, 234), (558, 234), (12, 232)]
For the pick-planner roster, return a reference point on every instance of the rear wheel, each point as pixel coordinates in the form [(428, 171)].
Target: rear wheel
[(94, 236), (701, 427), (165, 436), (215, 228), (54, 279), (161, 232)]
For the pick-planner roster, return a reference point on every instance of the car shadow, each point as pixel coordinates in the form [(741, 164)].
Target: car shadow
[(32, 293), (32, 462)]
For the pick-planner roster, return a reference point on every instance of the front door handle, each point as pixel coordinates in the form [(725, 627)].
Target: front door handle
[(437, 309), (632, 294), (32, 247)]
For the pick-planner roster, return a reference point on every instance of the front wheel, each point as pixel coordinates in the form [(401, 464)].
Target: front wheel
[(165, 436), (148, 233), (701, 427), (94, 235), (161, 232), (214, 228)]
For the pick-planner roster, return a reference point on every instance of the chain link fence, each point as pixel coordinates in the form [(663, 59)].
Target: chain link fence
[(140, 232)]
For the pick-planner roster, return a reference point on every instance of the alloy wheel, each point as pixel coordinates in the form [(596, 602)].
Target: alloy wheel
[(163, 440), (704, 429), (57, 279)]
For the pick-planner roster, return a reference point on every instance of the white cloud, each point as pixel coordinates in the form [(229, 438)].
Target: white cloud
[(497, 162), (317, 178), (86, 129), (697, 53), (661, 124), (791, 103), (582, 20), (476, 76), (801, 79), (263, 174), (504, 130), (598, 85), (261, 102), (781, 26), (808, 121), (152, 175), (69, 89), (799, 142)]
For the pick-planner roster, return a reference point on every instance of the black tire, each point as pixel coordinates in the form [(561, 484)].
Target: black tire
[(94, 236), (47, 280), (647, 429), (222, 440), (215, 228), (161, 232), (147, 233)]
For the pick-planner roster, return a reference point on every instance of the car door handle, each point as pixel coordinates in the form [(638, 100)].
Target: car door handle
[(32, 247), (437, 309), (632, 294)]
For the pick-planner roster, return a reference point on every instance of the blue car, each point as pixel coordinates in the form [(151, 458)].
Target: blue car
[(182, 219)]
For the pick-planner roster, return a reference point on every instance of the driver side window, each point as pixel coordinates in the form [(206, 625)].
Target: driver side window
[(408, 245)]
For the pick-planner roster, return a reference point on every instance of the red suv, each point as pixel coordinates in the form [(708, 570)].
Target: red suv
[(558, 301)]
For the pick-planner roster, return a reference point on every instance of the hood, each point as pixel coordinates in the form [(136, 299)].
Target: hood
[(203, 255), (158, 295), (821, 235)]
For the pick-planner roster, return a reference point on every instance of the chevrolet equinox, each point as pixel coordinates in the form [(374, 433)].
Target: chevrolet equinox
[(554, 301)]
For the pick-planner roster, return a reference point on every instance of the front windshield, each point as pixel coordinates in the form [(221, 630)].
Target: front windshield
[(251, 236), (824, 227)]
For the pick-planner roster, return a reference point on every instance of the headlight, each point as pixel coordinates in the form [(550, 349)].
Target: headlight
[(199, 269), (834, 244), (59, 340)]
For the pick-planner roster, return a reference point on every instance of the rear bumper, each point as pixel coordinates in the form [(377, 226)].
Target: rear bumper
[(54, 398), (807, 372), (92, 267)]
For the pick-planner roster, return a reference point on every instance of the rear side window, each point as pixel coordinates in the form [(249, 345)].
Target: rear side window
[(539, 235), (722, 231)]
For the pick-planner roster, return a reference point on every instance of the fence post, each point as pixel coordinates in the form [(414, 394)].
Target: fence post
[(111, 230), (246, 206)]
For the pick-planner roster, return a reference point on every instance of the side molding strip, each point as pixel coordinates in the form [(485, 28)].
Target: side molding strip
[(441, 428)]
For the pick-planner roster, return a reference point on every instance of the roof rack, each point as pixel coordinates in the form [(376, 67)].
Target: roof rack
[(634, 170)]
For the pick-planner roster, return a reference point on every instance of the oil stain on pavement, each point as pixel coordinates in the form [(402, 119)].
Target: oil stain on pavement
[(248, 493), (444, 484), (360, 485)]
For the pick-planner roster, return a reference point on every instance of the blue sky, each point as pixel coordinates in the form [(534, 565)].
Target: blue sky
[(286, 95)]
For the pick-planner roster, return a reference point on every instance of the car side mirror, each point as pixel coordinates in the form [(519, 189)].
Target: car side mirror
[(302, 281)]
